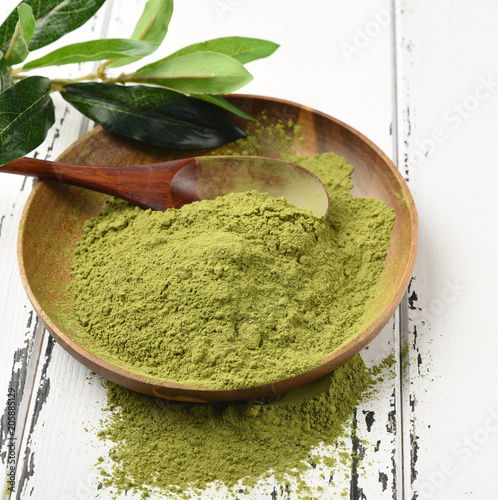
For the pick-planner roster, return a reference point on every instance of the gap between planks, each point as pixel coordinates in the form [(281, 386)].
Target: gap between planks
[(402, 330)]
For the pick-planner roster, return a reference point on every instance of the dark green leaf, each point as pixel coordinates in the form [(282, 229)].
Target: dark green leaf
[(243, 49), (153, 115), (40, 8), (54, 18), (64, 18), (197, 73), (26, 114), (93, 50), (151, 27), (217, 100), (5, 78), (24, 31)]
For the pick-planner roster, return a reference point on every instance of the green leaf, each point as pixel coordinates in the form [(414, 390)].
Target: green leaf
[(93, 50), (243, 49), (26, 114), (5, 78), (54, 18), (22, 35), (197, 73), (64, 18), (217, 100), (153, 115), (40, 8), (151, 27)]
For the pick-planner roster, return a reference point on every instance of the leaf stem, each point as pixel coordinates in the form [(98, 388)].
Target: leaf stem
[(101, 69), (68, 81), (133, 78), (122, 78), (58, 84), (15, 71), (54, 87), (15, 36)]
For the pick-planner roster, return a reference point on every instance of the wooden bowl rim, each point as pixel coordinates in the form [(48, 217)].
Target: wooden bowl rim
[(182, 392)]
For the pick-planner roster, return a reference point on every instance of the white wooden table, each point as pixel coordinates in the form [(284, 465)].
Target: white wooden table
[(420, 79)]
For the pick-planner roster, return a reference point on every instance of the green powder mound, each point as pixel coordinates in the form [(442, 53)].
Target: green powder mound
[(234, 292), (183, 448)]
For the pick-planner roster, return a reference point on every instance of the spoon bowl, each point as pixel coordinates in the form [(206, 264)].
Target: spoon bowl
[(174, 183)]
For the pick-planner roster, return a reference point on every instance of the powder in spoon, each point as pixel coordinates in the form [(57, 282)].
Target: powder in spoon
[(234, 292)]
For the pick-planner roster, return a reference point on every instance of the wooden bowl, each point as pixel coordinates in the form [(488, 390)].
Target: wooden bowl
[(52, 219)]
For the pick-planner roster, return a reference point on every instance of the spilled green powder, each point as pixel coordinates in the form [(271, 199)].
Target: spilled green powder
[(234, 292), (230, 293), (180, 448)]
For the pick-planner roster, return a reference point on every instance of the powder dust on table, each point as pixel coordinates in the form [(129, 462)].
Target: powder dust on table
[(178, 449), (234, 292)]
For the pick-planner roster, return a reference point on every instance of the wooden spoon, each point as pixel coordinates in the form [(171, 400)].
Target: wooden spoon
[(172, 184)]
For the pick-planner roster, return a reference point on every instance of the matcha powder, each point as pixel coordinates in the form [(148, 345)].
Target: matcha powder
[(231, 293), (234, 292), (179, 450)]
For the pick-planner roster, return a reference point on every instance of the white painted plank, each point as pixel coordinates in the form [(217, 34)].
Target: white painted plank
[(22, 336), (448, 128), (312, 67)]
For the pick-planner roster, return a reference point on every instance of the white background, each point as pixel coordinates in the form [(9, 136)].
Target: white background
[(420, 79)]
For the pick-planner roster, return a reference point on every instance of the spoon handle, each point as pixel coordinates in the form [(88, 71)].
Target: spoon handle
[(144, 185)]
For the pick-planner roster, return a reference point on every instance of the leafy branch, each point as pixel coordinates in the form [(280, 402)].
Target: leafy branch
[(172, 102)]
